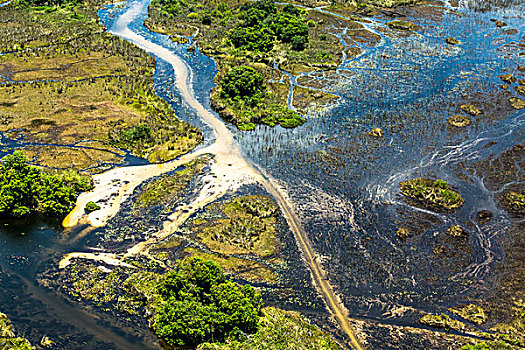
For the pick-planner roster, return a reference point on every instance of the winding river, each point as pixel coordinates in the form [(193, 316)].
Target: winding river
[(229, 170), (337, 187)]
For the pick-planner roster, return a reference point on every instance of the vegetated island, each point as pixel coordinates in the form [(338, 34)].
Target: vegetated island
[(432, 194), (254, 44)]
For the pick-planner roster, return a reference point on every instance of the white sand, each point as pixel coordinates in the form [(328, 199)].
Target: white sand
[(229, 171)]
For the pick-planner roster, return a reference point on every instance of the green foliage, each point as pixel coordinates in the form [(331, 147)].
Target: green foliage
[(92, 206), (201, 305), (441, 184), (8, 339), (279, 330), (262, 24), (434, 194), (18, 186), (243, 83), (48, 3), (324, 56), (499, 345), (137, 133), (291, 10), (25, 189), (171, 7), (287, 26), (299, 43), (193, 15), (252, 39)]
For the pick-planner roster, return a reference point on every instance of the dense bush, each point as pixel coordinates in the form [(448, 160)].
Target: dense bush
[(35, 3), (202, 305), (171, 7), (25, 189), (262, 24), (243, 83), (252, 39), (138, 133), (299, 43)]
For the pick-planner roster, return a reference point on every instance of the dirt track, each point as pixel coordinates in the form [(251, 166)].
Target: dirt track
[(230, 170)]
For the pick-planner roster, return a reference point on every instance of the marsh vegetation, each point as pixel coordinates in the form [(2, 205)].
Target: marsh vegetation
[(67, 81)]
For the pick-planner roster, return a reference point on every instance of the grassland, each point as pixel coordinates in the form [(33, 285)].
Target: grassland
[(246, 226), (67, 81), (168, 188)]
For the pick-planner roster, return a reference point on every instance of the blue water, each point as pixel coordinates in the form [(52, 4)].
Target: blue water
[(343, 183)]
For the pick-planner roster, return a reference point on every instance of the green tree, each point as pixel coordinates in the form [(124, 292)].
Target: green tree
[(243, 83), (299, 42), (202, 305), (18, 186), (25, 189)]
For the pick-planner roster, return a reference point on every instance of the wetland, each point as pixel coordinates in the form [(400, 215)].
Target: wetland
[(352, 173)]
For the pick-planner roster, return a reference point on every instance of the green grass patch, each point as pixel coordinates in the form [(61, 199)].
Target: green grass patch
[(432, 194), (248, 227)]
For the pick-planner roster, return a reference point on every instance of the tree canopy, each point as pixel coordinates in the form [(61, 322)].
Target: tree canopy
[(262, 24), (35, 3), (202, 305), (25, 189), (243, 82)]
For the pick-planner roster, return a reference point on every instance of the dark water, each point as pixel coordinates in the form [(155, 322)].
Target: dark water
[(344, 184)]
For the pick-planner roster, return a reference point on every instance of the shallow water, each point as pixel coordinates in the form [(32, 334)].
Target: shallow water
[(344, 184)]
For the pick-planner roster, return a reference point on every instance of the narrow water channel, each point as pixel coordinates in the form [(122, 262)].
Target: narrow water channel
[(343, 184)]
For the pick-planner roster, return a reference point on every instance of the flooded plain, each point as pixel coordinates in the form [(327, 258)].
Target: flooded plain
[(342, 184)]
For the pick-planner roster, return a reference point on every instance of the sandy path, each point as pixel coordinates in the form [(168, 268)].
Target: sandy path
[(229, 171)]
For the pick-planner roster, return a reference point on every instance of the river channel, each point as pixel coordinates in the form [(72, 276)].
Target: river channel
[(340, 185)]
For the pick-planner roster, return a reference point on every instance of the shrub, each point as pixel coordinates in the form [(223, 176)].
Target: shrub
[(292, 10), (299, 43), (252, 39), (201, 305), (207, 19), (243, 83), (91, 207), (193, 15), (137, 133)]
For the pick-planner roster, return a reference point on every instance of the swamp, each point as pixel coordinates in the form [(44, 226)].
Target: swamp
[(220, 175)]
